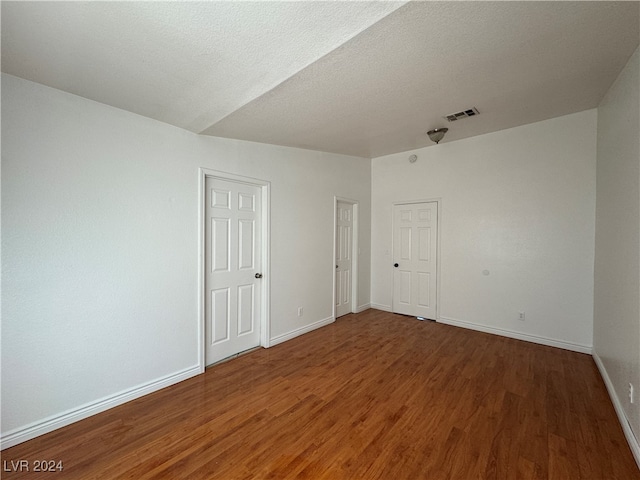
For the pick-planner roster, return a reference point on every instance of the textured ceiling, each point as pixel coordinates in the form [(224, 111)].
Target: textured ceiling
[(361, 78), (185, 63)]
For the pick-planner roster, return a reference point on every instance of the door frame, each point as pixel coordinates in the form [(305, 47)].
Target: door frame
[(438, 201), (265, 285), (354, 253)]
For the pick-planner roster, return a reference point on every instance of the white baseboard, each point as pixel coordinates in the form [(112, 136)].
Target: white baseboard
[(622, 418), (384, 308), (300, 331), (362, 308), (35, 429), (575, 347)]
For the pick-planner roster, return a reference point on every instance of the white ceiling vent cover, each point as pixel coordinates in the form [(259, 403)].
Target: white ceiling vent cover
[(463, 114)]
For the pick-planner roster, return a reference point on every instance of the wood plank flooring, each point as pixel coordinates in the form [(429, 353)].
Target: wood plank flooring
[(373, 396)]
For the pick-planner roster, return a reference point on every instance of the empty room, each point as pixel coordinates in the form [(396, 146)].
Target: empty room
[(320, 239)]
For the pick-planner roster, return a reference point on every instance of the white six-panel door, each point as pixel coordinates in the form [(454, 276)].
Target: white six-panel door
[(233, 268), (414, 255), (344, 264)]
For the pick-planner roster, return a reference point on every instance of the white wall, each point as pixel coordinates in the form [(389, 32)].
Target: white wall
[(519, 203), (303, 185), (616, 333), (100, 249)]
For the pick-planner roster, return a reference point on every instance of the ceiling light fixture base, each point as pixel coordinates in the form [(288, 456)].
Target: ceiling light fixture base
[(437, 134)]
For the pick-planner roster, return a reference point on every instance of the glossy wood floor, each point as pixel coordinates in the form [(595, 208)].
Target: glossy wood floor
[(373, 396)]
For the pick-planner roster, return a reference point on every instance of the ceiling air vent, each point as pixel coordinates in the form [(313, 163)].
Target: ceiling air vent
[(463, 114)]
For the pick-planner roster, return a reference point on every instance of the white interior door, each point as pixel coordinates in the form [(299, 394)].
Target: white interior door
[(233, 271), (344, 264), (415, 233)]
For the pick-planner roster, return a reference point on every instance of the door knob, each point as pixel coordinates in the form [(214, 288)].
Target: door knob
[(258, 275), (396, 265), (336, 266)]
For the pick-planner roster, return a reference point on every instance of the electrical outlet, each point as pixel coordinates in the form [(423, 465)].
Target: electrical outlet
[(521, 316), (631, 393), (300, 311)]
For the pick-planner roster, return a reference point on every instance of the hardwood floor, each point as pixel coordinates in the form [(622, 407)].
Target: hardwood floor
[(373, 396)]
